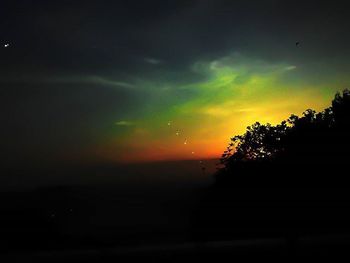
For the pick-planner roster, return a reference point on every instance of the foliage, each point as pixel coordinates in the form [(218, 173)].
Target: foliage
[(314, 138)]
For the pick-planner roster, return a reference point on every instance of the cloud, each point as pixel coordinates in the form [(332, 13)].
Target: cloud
[(247, 109), (105, 81), (78, 79), (124, 123), (217, 111), (153, 61), (290, 68)]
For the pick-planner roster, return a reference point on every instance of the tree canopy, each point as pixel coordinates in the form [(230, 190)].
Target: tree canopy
[(314, 141)]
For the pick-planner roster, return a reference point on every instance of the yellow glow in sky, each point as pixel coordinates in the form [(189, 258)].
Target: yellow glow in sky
[(235, 93)]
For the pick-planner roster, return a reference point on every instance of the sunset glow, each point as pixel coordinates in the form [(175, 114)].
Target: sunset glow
[(234, 93)]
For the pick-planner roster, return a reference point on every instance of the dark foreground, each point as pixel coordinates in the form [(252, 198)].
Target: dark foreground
[(321, 247), (172, 219), (208, 224)]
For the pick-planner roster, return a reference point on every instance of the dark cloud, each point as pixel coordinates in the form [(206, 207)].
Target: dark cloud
[(110, 36)]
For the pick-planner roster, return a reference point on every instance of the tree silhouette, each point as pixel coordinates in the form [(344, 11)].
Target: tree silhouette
[(287, 180), (341, 110), (313, 141)]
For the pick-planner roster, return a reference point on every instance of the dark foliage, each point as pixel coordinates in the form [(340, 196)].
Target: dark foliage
[(307, 145), (288, 180)]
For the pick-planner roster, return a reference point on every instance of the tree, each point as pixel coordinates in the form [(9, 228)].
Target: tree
[(311, 141)]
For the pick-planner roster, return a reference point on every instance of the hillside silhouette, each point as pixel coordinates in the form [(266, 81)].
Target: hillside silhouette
[(289, 180)]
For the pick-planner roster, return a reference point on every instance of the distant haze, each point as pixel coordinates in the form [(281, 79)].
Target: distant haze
[(121, 176)]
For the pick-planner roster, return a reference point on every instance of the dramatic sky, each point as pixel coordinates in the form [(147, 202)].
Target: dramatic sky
[(115, 81)]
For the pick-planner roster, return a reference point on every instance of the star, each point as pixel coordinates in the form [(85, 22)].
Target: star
[(177, 133), (192, 152), (6, 45), (185, 142), (169, 123)]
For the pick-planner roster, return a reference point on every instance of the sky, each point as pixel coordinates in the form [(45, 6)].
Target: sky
[(139, 81)]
